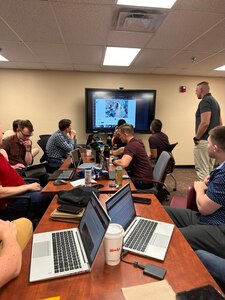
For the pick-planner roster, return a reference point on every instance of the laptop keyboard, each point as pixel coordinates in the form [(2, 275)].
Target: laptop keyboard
[(65, 251), (66, 174), (141, 235)]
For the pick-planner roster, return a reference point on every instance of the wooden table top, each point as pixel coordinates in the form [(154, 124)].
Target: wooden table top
[(51, 188), (184, 269)]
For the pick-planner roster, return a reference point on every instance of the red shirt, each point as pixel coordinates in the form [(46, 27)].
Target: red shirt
[(8, 176)]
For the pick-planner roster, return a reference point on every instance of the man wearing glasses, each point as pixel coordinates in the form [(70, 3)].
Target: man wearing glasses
[(19, 146)]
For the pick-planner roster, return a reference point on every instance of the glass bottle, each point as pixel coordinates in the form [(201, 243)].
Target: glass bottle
[(119, 175)]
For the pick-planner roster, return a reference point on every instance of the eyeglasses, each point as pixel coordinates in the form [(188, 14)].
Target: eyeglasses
[(26, 135)]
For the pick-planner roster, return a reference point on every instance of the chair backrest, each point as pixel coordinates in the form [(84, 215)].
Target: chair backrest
[(191, 198), (42, 143), (171, 147), (162, 166)]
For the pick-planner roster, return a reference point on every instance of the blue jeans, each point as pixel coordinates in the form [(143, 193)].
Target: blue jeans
[(34, 208), (213, 263)]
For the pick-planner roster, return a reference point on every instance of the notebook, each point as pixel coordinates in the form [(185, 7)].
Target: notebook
[(35, 170), (77, 161), (121, 210), (86, 240)]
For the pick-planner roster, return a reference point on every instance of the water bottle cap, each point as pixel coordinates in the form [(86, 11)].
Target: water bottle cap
[(119, 168)]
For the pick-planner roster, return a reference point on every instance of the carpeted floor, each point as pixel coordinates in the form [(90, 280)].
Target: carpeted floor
[(184, 178)]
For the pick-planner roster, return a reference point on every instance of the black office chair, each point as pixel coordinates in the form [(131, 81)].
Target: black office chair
[(170, 171), (162, 166), (42, 142)]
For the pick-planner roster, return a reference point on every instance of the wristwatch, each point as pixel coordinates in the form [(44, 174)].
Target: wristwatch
[(195, 140)]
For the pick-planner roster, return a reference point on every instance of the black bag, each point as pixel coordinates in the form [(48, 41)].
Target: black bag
[(78, 196)]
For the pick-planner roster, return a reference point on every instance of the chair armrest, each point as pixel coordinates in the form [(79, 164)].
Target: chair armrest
[(31, 180), (147, 180)]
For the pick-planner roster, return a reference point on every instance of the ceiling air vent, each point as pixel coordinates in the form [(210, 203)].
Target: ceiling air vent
[(140, 21)]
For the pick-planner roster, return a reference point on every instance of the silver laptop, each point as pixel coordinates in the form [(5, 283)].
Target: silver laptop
[(142, 236), (77, 161), (71, 251)]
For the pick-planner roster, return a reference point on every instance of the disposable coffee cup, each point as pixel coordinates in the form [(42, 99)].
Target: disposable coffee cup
[(113, 243), (88, 152)]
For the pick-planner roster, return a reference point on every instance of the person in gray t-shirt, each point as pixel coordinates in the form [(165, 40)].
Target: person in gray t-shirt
[(207, 116)]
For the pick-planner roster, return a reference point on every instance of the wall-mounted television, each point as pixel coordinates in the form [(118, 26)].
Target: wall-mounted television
[(104, 107)]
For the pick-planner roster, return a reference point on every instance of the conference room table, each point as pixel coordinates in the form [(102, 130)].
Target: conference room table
[(51, 188), (184, 269)]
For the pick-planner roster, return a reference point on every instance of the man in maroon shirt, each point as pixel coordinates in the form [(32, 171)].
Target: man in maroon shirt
[(12, 184), (134, 156)]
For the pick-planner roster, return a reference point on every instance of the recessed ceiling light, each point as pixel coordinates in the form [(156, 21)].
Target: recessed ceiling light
[(148, 3), (117, 56), (222, 68), (2, 58)]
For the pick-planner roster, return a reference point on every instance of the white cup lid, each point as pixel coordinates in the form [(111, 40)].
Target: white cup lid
[(114, 231)]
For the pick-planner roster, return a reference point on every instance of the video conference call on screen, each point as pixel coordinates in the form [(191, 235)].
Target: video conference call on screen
[(104, 107)]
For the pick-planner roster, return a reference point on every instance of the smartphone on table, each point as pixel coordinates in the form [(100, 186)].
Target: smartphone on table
[(71, 209)]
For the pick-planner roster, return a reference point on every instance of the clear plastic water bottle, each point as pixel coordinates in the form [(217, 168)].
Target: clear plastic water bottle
[(119, 175), (88, 177)]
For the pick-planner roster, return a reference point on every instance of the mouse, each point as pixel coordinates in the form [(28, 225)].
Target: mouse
[(59, 182)]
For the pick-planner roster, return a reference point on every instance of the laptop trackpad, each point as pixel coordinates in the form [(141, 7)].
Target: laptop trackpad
[(41, 249), (160, 240)]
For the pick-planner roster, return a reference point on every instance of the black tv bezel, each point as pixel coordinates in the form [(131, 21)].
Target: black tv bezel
[(89, 108)]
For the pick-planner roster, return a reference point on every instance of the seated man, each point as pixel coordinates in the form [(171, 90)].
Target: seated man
[(213, 263), (60, 144), (158, 141), (134, 157), (12, 184), (14, 237), (116, 141), (10, 132), (18, 146), (205, 229)]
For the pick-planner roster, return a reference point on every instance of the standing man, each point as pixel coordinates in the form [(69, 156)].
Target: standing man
[(61, 143), (207, 116), (134, 156)]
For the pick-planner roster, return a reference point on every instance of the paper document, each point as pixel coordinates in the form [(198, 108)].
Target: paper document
[(80, 182), (160, 290)]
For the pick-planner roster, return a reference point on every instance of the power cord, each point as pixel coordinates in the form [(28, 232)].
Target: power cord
[(134, 263), (149, 269)]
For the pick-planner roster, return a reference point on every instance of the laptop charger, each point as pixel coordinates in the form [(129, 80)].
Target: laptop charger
[(154, 271)]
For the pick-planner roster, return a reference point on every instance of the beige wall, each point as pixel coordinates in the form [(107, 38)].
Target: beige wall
[(45, 97)]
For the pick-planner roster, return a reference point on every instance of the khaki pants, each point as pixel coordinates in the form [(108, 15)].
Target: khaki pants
[(24, 232), (203, 163)]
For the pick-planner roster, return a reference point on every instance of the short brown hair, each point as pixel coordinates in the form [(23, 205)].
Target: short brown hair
[(25, 124), (64, 124), (127, 128), (217, 135)]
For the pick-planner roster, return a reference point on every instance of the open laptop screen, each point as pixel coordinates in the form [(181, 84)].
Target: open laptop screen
[(120, 207), (93, 227)]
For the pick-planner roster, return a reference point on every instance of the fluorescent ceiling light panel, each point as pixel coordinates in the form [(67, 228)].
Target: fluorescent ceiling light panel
[(2, 58), (117, 56), (148, 3), (222, 68)]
